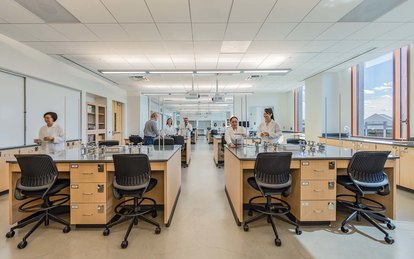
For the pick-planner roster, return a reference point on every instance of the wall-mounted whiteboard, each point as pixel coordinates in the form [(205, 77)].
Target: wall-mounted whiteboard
[(42, 97), (11, 110)]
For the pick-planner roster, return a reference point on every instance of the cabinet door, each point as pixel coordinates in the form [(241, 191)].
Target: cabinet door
[(333, 142), (4, 167), (406, 167)]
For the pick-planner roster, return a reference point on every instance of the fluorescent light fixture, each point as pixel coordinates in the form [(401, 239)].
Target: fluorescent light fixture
[(281, 71), (121, 72), (218, 72), (171, 72), (234, 46), (49, 11)]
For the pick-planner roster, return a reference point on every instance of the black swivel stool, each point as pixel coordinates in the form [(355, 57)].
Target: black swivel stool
[(135, 139), (166, 141), (108, 143), (39, 181), (132, 179), (365, 175), (271, 177)]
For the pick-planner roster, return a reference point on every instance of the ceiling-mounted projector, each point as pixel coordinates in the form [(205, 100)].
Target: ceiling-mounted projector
[(218, 98), (192, 95)]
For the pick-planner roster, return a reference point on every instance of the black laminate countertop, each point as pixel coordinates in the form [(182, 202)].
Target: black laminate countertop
[(74, 155), (250, 152)]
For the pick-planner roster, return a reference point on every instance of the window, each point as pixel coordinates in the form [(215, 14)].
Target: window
[(380, 99), (300, 109)]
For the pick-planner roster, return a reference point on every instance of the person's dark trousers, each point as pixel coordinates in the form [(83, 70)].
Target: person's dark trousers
[(148, 140)]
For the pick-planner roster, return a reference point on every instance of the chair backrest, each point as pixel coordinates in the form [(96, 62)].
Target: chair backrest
[(223, 141), (135, 139), (167, 141), (37, 170), (295, 141), (179, 140), (273, 167), (368, 167), (132, 169), (214, 132), (108, 143)]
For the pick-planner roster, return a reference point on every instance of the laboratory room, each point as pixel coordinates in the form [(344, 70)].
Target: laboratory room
[(206, 129)]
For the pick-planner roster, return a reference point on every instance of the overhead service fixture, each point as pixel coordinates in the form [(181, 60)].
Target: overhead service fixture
[(121, 72), (218, 97), (210, 72), (192, 94)]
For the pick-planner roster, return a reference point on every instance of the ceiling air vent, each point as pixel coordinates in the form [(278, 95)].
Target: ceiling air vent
[(138, 78), (254, 77)]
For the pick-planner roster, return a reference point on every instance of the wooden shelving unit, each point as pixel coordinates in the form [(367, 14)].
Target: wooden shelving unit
[(96, 122)]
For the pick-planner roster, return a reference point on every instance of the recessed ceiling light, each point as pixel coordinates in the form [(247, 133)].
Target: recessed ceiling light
[(281, 71), (219, 72), (171, 72), (49, 11), (121, 72), (234, 46)]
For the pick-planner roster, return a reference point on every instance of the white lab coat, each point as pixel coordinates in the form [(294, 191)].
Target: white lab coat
[(58, 143), (273, 129), (186, 130), (231, 134), (170, 130)]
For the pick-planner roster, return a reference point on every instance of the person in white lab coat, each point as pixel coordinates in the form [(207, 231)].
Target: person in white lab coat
[(51, 136), (234, 133), (269, 131), (169, 129), (186, 128)]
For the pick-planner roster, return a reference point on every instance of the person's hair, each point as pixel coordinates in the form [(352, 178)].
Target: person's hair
[(52, 114), (153, 115), (234, 117), (185, 118), (168, 120), (269, 111), (215, 124)]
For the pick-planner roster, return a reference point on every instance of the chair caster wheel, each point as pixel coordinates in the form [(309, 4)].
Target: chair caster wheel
[(245, 227), (124, 244), (154, 214), (298, 231), (157, 230), (344, 229), (389, 240), (390, 226), (10, 234), (250, 213), (66, 229), (106, 232), (278, 242), (22, 244)]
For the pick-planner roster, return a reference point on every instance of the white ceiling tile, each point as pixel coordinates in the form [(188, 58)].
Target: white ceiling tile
[(169, 11), (85, 58), (250, 11), (242, 31), (345, 46), (401, 13), (128, 11), (179, 47), (210, 11), (318, 46), (208, 31), (331, 11), (373, 31), (275, 31), (300, 57), (11, 31), (45, 47), (273, 61), (401, 32), (175, 31), (109, 32), (308, 31), (227, 65), (291, 11), (276, 46), (2, 21), (182, 59), (325, 57), (94, 12), (42, 31), (341, 30), (13, 12), (75, 32), (79, 48), (142, 31), (207, 47), (213, 58), (230, 58), (185, 65), (137, 48)]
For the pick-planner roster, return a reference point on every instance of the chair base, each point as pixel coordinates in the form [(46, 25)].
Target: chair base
[(42, 218), (371, 213), (125, 212), (269, 211)]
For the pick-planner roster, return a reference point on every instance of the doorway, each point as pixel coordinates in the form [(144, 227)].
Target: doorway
[(117, 113)]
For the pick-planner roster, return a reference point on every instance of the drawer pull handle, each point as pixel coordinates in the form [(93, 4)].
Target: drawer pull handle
[(318, 190), (318, 211), (88, 173), (87, 193), (87, 215), (318, 170)]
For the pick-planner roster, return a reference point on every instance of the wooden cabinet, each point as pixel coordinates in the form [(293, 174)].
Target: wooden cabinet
[(363, 146), (96, 122), (4, 167), (406, 167)]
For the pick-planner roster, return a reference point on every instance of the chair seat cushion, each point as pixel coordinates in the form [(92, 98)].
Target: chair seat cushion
[(346, 181), (266, 190), (57, 187), (139, 192)]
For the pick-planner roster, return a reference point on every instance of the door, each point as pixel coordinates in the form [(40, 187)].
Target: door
[(117, 121)]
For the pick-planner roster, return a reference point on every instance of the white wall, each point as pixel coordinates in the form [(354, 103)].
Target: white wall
[(21, 59), (411, 90), (314, 107)]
